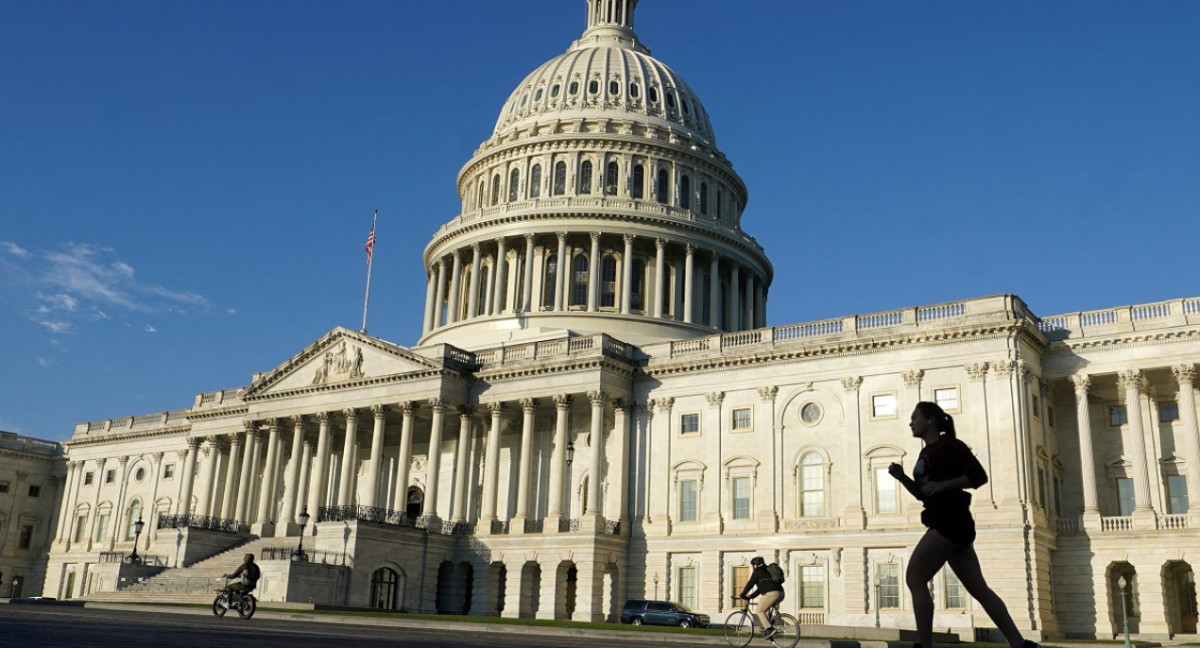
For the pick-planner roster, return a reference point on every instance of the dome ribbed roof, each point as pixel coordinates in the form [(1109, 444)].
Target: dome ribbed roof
[(606, 73)]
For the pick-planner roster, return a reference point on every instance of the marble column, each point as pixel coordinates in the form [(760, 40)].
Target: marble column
[(620, 463), (375, 462), (689, 283), (452, 305), (320, 470), (231, 477), (733, 299), (714, 292), (751, 280), (1186, 375), (243, 493), (266, 498), (627, 278), (462, 453), (404, 457), (760, 304), (561, 271), (430, 295), (1133, 383), (528, 409), (473, 285), (293, 492), (435, 457), (558, 461), (345, 496), (302, 485), (660, 279), (598, 399), (208, 469), (189, 471), (1087, 457), (491, 470), (498, 292), (64, 508), (439, 301), (593, 292), (527, 284)]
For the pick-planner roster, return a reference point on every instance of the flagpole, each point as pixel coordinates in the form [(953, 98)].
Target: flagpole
[(370, 262)]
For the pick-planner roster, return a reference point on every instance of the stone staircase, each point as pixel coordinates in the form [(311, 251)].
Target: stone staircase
[(194, 584)]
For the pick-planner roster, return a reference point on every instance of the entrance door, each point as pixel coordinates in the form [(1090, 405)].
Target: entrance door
[(70, 588), (1185, 583)]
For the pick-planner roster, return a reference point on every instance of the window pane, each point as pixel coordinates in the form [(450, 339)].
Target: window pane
[(885, 492), (687, 586), (738, 580), (947, 398), (889, 587), (741, 498), (812, 486), (741, 419), (956, 594), (1125, 498), (687, 501), (1168, 411), (812, 587), (101, 526), (883, 405), (689, 423), (1177, 494), (1116, 415)]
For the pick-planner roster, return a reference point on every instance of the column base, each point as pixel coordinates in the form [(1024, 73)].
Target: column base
[(287, 530), (483, 526), (516, 525), (1145, 519), (550, 524), (591, 523), (263, 529)]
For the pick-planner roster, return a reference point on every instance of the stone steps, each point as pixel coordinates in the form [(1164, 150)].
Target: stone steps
[(193, 584)]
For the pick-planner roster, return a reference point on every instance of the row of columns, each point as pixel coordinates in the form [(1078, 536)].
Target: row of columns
[(744, 306), (1133, 384)]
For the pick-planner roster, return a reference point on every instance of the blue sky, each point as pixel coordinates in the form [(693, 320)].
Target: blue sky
[(186, 187)]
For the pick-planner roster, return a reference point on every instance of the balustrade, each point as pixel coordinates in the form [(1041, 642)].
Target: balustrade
[(204, 522), (1174, 521), (1116, 523)]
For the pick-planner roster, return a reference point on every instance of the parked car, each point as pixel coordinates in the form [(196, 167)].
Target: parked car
[(639, 611)]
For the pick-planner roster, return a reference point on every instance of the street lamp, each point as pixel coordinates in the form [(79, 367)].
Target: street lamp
[(878, 583), (1121, 582), (570, 452), (300, 556), (137, 533), (656, 585)]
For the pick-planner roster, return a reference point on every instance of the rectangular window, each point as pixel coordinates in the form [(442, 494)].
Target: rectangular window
[(885, 491), (737, 580), (812, 490), (80, 528), (689, 424), (110, 476), (1177, 496), (101, 526), (26, 539), (687, 586), (3, 487), (1125, 498), (687, 500), (812, 587), (168, 471), (1035, 406), (741, 498), (946, 397), (956, 594), (883, 405), (1116, 415), (35, 490), (1168, 411), (88, 477), (889, 586), (741, 419), (1041, 486), (1050, 420)]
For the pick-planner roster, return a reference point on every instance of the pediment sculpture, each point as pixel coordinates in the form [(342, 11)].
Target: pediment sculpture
[(342, 363)]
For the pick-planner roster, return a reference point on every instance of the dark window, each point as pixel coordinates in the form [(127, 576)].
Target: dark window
[(610, 179), (481, 298), (585, 177), (608, 278), (685, 192), (535, 181), (670, 100), (383, 587), (579, 280), (719, 197), (573, 88), (653, 92), (550, 281), (513, 180), (639, 180), (637, 285), (496, 189), (168, 471), (26, 539), (88, 477), (35, 490), (704, 198), (110, 476), (633, 90), (614, 88), (415, 504), (554, 91), (560, 178), (3, 487), (593, 86), (1168, 411), (661, 193), (685, 106), (537, 96)]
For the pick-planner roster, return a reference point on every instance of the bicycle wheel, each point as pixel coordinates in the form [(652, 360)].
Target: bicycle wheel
[(739, 629), (247, 606), (220, 605), (787, 631)]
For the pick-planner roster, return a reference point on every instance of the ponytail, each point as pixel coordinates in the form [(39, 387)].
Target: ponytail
[(942, 421)]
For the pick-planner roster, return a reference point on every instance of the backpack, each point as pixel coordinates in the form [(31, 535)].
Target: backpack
[(776, 573)]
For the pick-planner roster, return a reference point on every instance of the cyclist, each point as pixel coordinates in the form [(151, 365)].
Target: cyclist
[(250, 574), (769, 592)]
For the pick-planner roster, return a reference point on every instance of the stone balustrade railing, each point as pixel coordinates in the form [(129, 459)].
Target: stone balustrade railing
[(1176, 312), (10, 441), (206, 523)]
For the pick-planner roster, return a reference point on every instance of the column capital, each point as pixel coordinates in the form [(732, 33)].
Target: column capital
[(125, 460), (628, 238), (715, 398), (1184, 374), (378, 411), (768, 393), (912, 377), (496, 409), (689, 248), (350, 413), (297, 422), (158, 456), (561, 236), (598, 397), (250, 427), (561, 401), (475, 249), (528, 404), (1024, 370), (1132, 379), (595, 236), (623, 404), (529, 237), (235, 440), (1082, 383), (851, 383), (1004, 367), (192, 443), (272, 425), (659, 243), (438, 404), (323, 417), (664, 404), (977, 371)]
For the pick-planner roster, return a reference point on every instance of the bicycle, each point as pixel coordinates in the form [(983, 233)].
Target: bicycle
[(740, 626), (243, 602)]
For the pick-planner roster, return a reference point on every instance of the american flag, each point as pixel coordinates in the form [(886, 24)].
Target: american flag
[(370, 243)]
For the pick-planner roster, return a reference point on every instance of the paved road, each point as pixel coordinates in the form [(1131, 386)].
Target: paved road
[(52, 626)]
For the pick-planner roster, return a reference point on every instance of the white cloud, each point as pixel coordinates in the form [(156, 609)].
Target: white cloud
[(57, 326), (15, 250), (42, 362), (151, 329)]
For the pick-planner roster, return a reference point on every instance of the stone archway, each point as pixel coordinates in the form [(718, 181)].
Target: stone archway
[(531, 588), (1179, 594), (1123, 602)]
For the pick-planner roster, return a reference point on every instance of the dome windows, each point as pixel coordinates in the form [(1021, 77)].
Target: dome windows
[(535, 181), (573, 89), (537, 96), (585, 178), (513, 182), (614, 88), (639, 181), (593, 86), (670, 100), (560, 178), (633, 90), (554, 91), (524, 99), (653, 94), (685, 105), (610, 179)]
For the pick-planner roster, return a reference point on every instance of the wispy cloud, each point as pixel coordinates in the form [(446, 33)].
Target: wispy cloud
[(81, 282)]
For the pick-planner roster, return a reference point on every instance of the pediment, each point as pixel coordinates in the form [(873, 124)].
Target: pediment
[(341, 357)]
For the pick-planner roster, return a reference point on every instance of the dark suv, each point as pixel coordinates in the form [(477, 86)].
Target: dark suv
[(639, 611)]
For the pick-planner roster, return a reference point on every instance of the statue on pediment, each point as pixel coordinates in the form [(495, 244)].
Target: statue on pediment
[(339, 365)]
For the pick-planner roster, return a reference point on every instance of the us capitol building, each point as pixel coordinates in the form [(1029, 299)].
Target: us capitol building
[(596, 410)]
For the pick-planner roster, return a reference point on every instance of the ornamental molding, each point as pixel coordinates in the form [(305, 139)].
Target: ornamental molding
[(977, 371), (1082, 383), (852, 383), (811, 525), (715, 398), (912, 377), (128, 436), (1074, 347), (768, 393), (1184, 374), (1133, 379)]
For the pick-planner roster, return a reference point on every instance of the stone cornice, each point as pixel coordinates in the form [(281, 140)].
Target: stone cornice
[(128, 436), (51, 459), (1128, 341), (510, 373), (208, 414), (392, 379)]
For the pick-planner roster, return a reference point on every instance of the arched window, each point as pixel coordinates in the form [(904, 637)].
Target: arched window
[(585, 177), (513, 181), (812, 485), (479, 194), (685, 192), (550, 281), (496, 189), (535, 181), (579, 280), (481, 295), (704, 198), (661, 194), (414, 503), (639, 181), (719, 199), (132, 516), (608, 281), (583, 496), (637, 285), (610, 179), (383, 589), (560, 178)]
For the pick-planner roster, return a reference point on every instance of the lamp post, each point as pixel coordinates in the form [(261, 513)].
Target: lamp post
[(300, 556), (1121, 582), (656, 585), (877, 586), (137, 533), (570, 452)]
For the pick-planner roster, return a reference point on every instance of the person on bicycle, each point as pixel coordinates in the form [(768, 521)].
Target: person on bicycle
[(250, 574), (769, 592)]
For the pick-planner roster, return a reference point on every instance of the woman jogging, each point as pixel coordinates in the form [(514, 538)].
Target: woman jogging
[(944, 468)]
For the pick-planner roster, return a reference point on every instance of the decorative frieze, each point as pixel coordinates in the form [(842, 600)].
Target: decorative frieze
[(852, 383), (977, 371), (912, 377), (768, 393), (715, 398)]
